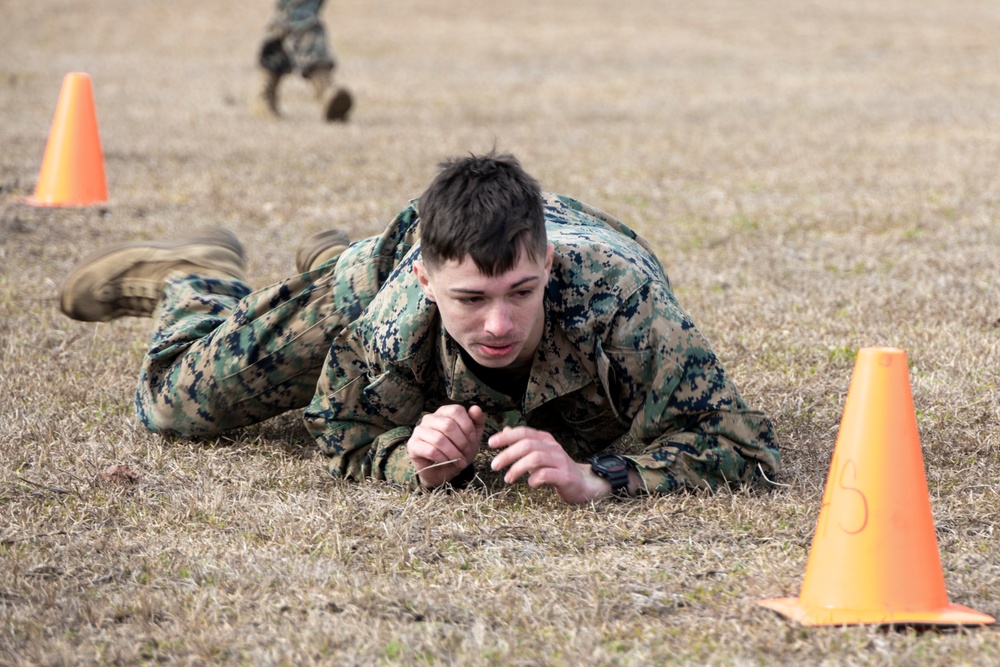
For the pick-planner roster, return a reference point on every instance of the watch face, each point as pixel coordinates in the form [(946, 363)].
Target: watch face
[(612, 468), (611, 463)]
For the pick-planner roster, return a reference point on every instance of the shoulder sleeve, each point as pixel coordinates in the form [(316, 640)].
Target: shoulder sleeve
[(664, 376), (362, 412), (362, 421)]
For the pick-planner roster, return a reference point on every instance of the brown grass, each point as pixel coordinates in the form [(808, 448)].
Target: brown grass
[(817, 177)]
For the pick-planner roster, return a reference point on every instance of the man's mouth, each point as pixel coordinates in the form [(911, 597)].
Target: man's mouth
[(497, 351)]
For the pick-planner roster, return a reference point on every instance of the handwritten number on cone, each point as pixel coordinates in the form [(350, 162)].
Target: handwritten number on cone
[(848, 467), (864, 500)]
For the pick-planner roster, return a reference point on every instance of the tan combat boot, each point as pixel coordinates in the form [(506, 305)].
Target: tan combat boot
[(264, 103), (335, 102), (128, 278), (320, 248)]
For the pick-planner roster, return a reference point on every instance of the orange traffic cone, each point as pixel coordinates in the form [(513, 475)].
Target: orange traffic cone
[(73, 167), (874, 556)]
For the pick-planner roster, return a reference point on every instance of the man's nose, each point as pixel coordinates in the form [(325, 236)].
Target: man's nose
[(498, 320)]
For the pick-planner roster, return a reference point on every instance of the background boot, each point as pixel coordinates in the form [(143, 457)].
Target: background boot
[(320, 248), (265, 100), (335, 102), (128, 278)]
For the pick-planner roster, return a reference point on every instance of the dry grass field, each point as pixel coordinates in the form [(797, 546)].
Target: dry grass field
[(817, 176)]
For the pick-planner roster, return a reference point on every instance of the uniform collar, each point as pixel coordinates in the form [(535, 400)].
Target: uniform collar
[(559, 368)]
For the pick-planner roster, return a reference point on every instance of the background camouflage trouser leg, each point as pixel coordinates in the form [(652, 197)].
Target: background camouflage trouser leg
[(223, 357), (295, 39)]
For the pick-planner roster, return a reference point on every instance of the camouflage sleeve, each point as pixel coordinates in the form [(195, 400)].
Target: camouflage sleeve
[(361, 416), (348, 416), (696, 428)]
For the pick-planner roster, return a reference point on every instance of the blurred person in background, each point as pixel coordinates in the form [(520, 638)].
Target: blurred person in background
[(295, 41)]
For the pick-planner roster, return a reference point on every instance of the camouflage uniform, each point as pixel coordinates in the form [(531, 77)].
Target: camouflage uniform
[(295, 39), (618, 357)]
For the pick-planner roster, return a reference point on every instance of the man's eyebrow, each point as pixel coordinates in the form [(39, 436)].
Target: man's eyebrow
[(519, 283)]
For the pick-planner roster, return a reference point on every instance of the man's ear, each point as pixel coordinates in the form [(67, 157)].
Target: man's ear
[(550, 252), (423, 278)]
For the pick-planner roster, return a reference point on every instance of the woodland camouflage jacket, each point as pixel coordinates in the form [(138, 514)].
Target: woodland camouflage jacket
[(618, 357)]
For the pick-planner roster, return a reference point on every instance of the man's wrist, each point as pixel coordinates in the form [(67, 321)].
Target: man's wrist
[(634, 481), (596, 486)]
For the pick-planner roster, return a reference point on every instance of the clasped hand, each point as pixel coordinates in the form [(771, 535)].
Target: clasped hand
[(445, 442)]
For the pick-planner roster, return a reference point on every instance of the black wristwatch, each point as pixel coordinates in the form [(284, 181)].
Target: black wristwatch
[(613, 468)]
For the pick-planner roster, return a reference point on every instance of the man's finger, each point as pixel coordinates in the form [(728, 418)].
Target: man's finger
[(511, 435), (529, 464), (478, 417), (455, 422), (533, 463), (510, 455), (433, 446)]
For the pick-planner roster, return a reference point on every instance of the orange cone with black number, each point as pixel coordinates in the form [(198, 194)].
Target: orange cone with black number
[(73, 166), (874, 556)]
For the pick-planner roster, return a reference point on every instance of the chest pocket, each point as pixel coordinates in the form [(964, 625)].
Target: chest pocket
[(588, 411), (585, 421), (582, 422), (396, 399)]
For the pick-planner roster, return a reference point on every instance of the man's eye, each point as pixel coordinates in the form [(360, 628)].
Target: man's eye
[(469, 300)]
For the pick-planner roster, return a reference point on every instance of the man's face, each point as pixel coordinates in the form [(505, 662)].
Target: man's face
[(498, 320)]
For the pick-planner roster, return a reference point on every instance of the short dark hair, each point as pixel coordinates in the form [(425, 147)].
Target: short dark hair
[(485, 207)]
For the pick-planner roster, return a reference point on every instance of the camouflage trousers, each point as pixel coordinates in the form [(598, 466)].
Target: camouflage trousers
[(295, 39), (222, 356)]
